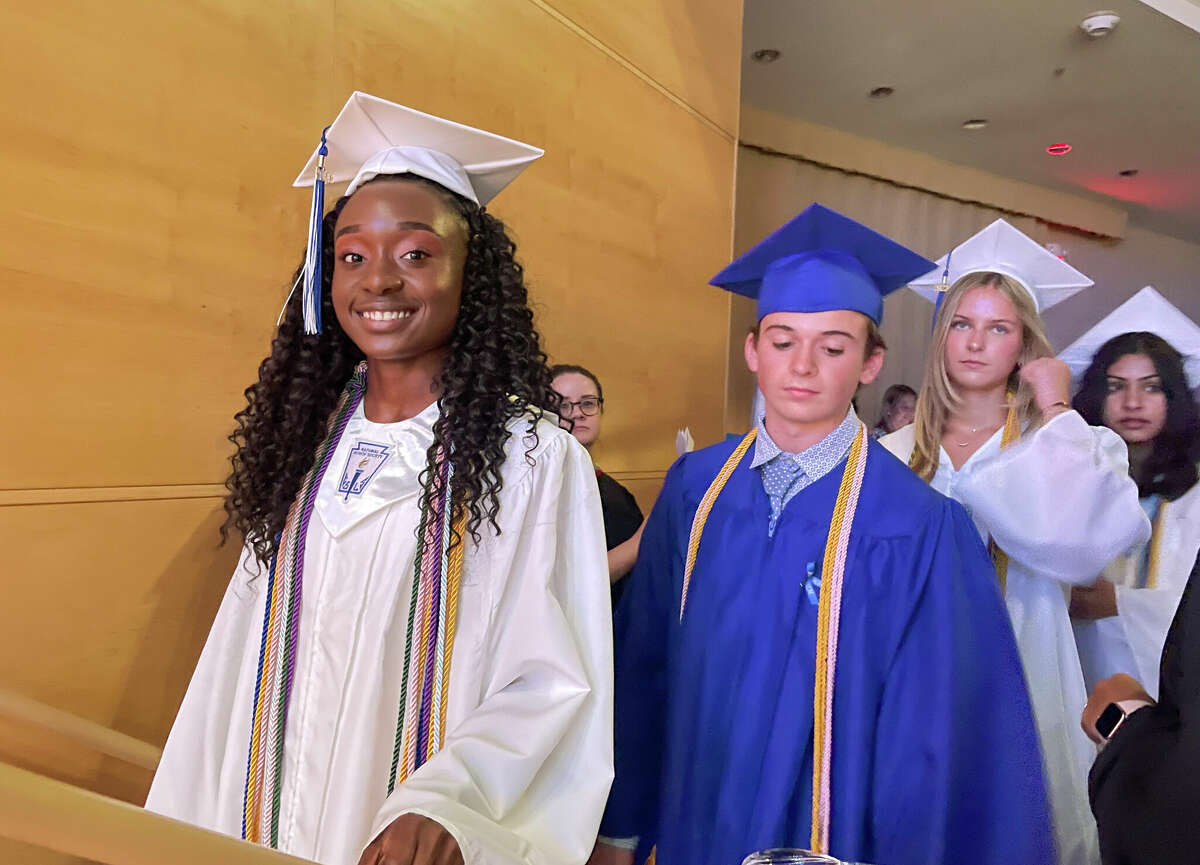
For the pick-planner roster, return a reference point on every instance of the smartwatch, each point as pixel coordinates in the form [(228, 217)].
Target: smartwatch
[(1114, 715)]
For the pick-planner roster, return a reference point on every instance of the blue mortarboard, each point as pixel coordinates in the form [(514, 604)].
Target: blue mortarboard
[(819, 261)]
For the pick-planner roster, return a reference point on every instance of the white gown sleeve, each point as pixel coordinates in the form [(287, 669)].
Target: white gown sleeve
[(203, 765), (1060, 501), (1145, 615), (524, 778)]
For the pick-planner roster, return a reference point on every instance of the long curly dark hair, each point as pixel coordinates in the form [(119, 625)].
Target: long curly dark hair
[(1170, 469), (495, 370)]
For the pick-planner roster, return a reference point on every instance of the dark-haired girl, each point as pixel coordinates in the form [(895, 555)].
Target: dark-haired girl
[(412, 664), (1137, 387)]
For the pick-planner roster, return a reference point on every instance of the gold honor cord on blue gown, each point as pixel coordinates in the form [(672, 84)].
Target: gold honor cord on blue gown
[(833, 572)]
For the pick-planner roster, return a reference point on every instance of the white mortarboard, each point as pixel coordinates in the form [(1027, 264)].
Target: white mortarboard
[(1145, 311), (1000, 248), (372, 137)]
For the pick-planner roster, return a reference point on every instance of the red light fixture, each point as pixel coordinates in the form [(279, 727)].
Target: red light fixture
[(1060, 149)]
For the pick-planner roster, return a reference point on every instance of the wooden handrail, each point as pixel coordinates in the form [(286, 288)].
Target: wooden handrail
[(95, 736), (56, 816)]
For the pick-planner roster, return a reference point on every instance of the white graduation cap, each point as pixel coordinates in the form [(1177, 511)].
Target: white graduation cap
[(1000, 248), (372, 137), (1145, 311)]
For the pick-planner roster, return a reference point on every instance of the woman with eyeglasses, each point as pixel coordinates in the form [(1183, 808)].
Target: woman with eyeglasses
[(582, 413)]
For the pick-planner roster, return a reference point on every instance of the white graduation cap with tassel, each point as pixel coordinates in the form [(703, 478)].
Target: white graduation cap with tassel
[(372, 137), (1001, 248)]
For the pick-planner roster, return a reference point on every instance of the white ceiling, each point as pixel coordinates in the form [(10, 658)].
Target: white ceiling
[(1130, 100)]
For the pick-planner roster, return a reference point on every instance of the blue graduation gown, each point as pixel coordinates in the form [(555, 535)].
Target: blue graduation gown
[(935, 756)]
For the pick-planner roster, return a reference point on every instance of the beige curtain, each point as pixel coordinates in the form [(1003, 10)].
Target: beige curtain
[(773, 188)]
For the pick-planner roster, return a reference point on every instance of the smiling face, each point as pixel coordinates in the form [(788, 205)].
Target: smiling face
[(399, 252), (984, 341), (809, 365), (1136, 405)]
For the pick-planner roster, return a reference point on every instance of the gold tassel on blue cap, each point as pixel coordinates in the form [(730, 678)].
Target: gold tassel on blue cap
[(311, 294)]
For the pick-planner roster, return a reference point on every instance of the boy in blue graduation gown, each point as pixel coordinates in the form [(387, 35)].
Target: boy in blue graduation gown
[(932, 753)]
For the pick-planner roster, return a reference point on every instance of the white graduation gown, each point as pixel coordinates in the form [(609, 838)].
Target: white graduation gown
[(1132, 641), (1060, 503), (527, 761)]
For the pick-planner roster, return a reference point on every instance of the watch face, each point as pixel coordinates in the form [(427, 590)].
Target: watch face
[(1109, 720)]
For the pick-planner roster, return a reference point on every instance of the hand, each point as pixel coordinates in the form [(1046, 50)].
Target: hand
[(412, 839), (606, 854), (1112, 690), (1093, 602), (1050, 380)]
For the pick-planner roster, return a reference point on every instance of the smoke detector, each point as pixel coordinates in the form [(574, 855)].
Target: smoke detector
[(1100, 24)]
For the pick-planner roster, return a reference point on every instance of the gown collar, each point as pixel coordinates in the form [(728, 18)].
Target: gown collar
[(375, 466)]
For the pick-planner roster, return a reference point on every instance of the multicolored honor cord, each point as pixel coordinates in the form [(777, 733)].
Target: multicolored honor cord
[(421, 721)]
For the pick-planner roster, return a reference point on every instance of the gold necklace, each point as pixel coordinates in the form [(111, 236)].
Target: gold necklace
[(973, 431)]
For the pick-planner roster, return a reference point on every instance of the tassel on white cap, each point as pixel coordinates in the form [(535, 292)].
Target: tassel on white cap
[(943, 286), (311, 294)]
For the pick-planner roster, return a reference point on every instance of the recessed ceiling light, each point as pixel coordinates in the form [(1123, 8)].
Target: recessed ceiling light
[(977, 123), (881, 92), (1060, 149), (765, 55), (1128, 172)]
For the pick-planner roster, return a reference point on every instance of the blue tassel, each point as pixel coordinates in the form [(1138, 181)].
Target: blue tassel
[(311, 294)]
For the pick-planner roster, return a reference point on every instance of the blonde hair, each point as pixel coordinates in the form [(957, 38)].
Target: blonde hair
[(938, 397)]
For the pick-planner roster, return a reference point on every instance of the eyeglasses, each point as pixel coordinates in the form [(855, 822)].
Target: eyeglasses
[(588, 406)]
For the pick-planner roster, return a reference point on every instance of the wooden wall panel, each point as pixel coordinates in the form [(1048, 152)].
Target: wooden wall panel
[(683, 45), (147, 234), (107, 606), (16, 853), (150, 227), (644, 486)]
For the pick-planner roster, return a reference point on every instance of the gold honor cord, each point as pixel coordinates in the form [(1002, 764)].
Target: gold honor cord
[(706, 503), (828, 616), (1155, 553)]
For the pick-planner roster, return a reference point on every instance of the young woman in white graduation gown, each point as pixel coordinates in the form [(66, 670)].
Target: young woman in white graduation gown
[(1136, 386), (437, 687), (1050, 495)]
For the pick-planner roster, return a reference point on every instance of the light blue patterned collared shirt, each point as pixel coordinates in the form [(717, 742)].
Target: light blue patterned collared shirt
[(784, 474)]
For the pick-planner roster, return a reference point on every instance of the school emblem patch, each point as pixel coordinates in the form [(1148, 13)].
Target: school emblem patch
[(362, 464)]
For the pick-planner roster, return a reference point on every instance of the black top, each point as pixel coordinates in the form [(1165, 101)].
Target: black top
[(1145, 786), (622, 517)]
